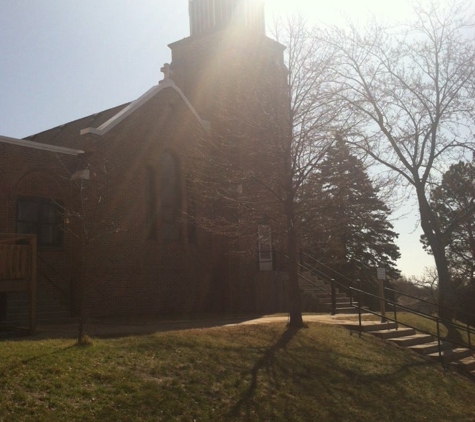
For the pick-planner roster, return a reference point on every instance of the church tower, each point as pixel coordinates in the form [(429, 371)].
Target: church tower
[(226, 54), (210, 15)]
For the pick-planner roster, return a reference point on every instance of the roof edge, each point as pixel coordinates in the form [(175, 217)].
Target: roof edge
[(135, 105), (40, 146)]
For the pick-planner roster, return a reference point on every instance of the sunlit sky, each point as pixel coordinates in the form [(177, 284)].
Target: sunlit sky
[(65, 59)]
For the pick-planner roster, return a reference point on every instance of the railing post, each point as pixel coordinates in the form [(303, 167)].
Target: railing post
[(333, 289), (468, 334), (358, 281), (382, 300), (395, 313), (439, 341)]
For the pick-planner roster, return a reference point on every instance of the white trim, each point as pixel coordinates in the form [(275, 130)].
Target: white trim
[(37, 145), (127, 111)]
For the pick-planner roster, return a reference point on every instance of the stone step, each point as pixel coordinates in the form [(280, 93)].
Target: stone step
[(451, 355), (426, 348), (467, 364), (399, 332), (322, 295), (377, 326), (339, 300), (346, 310), (412, 340), (368, 326)]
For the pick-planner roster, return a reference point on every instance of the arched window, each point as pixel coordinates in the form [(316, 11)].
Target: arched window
[(170, 197)]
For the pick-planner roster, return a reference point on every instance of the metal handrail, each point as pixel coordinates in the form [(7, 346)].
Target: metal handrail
[(324, 276), (437, 320), (465, 327), (314, 284), (465, 314), (333, 284), (326, 266)]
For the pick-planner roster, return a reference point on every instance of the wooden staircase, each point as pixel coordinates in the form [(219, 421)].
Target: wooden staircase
[(316, 296), (424, 344)]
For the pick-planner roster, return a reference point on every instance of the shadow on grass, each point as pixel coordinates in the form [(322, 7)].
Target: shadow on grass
[(125, 327), (333, 373), (265, 362)]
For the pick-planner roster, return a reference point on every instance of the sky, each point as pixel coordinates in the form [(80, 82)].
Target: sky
[(61, 60)]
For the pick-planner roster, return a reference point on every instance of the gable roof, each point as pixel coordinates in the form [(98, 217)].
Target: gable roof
[(68, 135), (38, 145), (135, 105)]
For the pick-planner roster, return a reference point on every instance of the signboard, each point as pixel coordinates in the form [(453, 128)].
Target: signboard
[(265, 248), (381, 273)]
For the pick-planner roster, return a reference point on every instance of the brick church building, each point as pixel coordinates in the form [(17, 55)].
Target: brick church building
[(114, 198)]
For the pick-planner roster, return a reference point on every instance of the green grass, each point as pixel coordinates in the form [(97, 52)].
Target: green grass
[(460, 335), (241, 373)]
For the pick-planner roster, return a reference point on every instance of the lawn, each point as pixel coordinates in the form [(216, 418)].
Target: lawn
[(459, 335), (240, 373)]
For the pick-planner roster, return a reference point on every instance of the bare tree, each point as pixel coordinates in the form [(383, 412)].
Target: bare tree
[(89, 219), (270, 146), (409, 91)]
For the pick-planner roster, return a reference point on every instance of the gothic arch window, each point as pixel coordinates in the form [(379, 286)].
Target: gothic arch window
[(170, 196)]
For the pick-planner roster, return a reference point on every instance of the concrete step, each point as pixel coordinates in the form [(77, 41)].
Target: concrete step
[(412, 340), (451, 355), (467, 364), (400, 332), (426, 348), (324, 294), (378, 326), (346, 310), (339, 301)]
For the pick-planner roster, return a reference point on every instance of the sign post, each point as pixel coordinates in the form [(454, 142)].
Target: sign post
[(381, 272)]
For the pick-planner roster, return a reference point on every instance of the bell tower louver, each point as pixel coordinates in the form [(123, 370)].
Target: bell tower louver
[(212, 15), (226, 54)]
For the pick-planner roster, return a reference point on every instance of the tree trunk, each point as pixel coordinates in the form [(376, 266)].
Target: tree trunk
[(436, 243), (295, 313)]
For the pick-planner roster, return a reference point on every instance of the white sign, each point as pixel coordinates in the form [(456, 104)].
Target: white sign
[(381, 273)]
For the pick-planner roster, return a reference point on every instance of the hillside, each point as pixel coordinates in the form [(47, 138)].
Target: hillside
[(240, 373)]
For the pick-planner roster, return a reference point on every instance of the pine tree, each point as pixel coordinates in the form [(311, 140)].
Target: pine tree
[(346, 223), (452, 202)]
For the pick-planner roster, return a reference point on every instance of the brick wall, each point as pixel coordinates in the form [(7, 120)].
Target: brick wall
[(33, 173)]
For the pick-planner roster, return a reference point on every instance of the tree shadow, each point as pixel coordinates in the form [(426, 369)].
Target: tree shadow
[(453, 334), (266, 362)]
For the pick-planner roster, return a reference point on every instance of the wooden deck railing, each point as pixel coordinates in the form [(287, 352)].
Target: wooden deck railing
[(18, 268)]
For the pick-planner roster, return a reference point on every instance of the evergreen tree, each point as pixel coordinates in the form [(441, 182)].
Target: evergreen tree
[(346, 223), (453, 202)]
